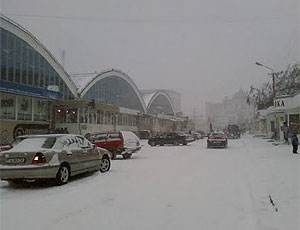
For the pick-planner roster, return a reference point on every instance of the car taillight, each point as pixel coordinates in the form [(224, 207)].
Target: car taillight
[(39, 158)]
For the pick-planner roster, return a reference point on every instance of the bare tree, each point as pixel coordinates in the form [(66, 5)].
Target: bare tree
[(286, 83)]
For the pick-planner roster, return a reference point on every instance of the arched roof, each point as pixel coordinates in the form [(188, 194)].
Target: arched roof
[(150, 99), (26, 36), (85, 86)]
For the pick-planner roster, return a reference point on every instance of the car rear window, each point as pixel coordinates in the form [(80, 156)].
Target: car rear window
[(98, 137), (33, 144), (217, 135), (114, 137)]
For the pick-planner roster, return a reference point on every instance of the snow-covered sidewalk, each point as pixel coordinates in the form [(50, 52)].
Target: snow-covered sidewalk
[(170, 187)]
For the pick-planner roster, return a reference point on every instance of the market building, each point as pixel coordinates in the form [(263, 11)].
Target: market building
[(32, 80), (38, 96)]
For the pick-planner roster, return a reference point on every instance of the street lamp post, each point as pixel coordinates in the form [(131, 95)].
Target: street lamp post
[(273, 77)]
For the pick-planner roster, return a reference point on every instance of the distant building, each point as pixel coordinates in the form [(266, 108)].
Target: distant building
[(233, 110)]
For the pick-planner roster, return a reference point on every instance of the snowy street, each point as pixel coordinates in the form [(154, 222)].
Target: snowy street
[(169, 187)]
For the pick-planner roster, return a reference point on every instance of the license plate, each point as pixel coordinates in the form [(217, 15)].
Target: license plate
[(15, 160)]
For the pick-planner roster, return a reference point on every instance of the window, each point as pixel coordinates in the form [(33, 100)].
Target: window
[(100, 117), (7, 106), (119, 117), (61, 115), (92, 119), (41, 110), (11, 57), (294, 123), (99, 137), (83, 115), (4, 53), (24, 108), (42, 61), (52, 76), (272, 126), (114, 137), (36, 69), (46, 74), (18, 61), (71, 115), (24, 63), (30, 66)]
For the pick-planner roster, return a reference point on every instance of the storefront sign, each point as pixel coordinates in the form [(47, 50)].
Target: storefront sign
[(279, 103), (15, 88)]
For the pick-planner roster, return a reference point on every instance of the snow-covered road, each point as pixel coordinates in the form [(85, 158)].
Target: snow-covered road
[(170, 187)]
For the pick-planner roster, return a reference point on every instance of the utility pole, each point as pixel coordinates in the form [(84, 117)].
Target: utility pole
[(273, 77)]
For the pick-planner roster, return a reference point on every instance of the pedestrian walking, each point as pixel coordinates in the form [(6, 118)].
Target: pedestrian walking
[(295, 143)]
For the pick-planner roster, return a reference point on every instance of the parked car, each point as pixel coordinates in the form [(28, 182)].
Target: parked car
[(10, 146), (123, 143), (174, 138), (217, 139), (145, 134), (188, 137), (57, 156), (196, 135), (5, 147)]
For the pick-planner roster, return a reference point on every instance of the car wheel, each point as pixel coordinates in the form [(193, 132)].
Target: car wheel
[(127, 155), (176, 143), (184, 143), (63, 175), (104, 165)]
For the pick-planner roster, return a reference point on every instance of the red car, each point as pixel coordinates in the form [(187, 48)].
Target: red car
[(123, 143), (217, 140)]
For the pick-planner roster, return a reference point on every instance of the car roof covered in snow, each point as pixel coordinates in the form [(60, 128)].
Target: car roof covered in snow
[(47, 135)]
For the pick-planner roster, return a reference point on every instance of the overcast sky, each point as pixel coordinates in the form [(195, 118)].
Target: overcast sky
[(204, 49)]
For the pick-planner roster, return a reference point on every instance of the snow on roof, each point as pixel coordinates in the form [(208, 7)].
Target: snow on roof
[(147, 98), (81, 80)]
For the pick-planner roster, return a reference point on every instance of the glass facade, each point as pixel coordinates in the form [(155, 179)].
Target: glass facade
[(93, 116), (13, 107), (114, 90), (20, 63), (161, 105)]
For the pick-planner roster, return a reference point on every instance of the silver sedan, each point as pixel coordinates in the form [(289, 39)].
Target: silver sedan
[(57, 156)]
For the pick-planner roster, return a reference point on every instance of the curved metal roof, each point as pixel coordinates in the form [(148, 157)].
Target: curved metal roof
[(84, 83), (26, 36), (149, 98)]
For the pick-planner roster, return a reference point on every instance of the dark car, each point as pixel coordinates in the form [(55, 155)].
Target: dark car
[(174, 138), (217, 139), (233, 132)]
